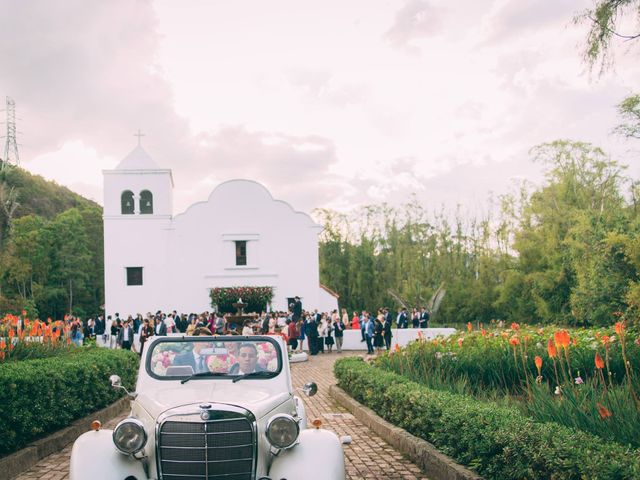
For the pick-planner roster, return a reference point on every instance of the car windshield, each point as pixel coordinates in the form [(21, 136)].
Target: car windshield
[(214, 357)]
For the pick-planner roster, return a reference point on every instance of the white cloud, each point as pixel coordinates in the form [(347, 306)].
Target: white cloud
[(318, 101)]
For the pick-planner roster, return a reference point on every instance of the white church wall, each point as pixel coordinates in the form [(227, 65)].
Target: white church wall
[(183, 257), (280, 244)]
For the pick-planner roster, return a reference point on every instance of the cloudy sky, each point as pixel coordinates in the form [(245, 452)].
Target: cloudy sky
[(328, 103)]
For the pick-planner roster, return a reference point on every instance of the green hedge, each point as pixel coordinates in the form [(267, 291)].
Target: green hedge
[(498, 442), (44, 395)]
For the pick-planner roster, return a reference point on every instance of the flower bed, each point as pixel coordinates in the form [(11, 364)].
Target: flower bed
[(583, 379), (44, 395), (498, 442)]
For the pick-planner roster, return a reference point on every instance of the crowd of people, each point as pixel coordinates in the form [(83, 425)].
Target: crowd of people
[(318, 332)]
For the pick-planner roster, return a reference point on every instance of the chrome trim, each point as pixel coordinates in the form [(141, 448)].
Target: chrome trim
[(194, 411)]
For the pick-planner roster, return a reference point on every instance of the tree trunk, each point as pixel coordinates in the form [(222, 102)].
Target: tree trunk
[(70, 296)]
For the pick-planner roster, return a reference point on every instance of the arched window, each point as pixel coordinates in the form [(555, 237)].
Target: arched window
[(126, 202), (146, 201)]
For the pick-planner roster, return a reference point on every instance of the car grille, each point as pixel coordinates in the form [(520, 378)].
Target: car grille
[(220, 449)]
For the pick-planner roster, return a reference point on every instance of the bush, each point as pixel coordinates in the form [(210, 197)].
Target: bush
[(498, 442), (43, 395)]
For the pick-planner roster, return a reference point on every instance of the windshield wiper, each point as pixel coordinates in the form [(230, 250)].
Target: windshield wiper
[(202, 374), (253, 374)]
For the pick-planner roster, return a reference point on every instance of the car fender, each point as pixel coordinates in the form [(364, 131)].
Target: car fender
[(317, 456), (95, 457)]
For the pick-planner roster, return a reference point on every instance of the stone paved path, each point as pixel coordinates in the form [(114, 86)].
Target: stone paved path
[(368, 457)]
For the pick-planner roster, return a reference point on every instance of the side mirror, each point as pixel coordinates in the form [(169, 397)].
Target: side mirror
[(116, 381), (116, 384), (310, 389)]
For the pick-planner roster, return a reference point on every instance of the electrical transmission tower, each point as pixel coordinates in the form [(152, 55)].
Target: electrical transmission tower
[(11, 155)]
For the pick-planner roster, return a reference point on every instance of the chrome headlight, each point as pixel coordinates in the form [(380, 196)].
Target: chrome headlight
[(282, 430), (129, 436)]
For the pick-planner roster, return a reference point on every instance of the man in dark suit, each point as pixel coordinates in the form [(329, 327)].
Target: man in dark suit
[(125, 336), (424, 318), (161, 327), (99, 326), (387, 331), (297, 309), (402, 321), (195, 358), (311, 331), (247, 360)]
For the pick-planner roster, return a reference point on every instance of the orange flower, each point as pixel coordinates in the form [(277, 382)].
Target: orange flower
[(575, 342), (397, 348), (3, 344), (11, 333), (538, 361), (483, 332), (599, 362), (515, 341), (460, 340), (603, 412), (469, 326), (562, 339), (515, 326), (605, 340), (551, 349), (620, 328)]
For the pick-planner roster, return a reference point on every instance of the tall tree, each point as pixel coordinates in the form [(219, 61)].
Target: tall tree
[(604, 20)]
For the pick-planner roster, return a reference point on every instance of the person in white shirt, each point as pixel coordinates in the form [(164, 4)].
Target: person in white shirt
[(247, 329)]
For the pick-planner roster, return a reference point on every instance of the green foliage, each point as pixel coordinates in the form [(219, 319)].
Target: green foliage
[(603, 19), (629, 111), (487, 363), (41, 396), (578, 407), (565, 253), (51, 259), (499, 442)]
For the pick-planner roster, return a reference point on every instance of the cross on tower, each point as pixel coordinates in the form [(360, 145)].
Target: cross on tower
[(139, 134)]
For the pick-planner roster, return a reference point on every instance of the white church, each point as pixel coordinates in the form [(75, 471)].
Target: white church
[(240, 236)]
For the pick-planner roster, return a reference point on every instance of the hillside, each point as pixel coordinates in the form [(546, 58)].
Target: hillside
[(35, 196), (39, 196), (51, 261)]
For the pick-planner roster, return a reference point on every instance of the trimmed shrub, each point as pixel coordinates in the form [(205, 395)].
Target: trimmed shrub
[(498, 442), (44, 395)]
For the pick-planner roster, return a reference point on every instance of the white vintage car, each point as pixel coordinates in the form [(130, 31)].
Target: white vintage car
[(211, 408)]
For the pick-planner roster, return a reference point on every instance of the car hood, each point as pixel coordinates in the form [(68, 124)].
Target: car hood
[(258, 400)]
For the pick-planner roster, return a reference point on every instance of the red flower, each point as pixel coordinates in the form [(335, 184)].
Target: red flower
[(603, 412), (599, 362), (538, 361)]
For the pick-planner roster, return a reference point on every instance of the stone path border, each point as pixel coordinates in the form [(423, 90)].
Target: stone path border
[(434, 463), (22, 460)]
